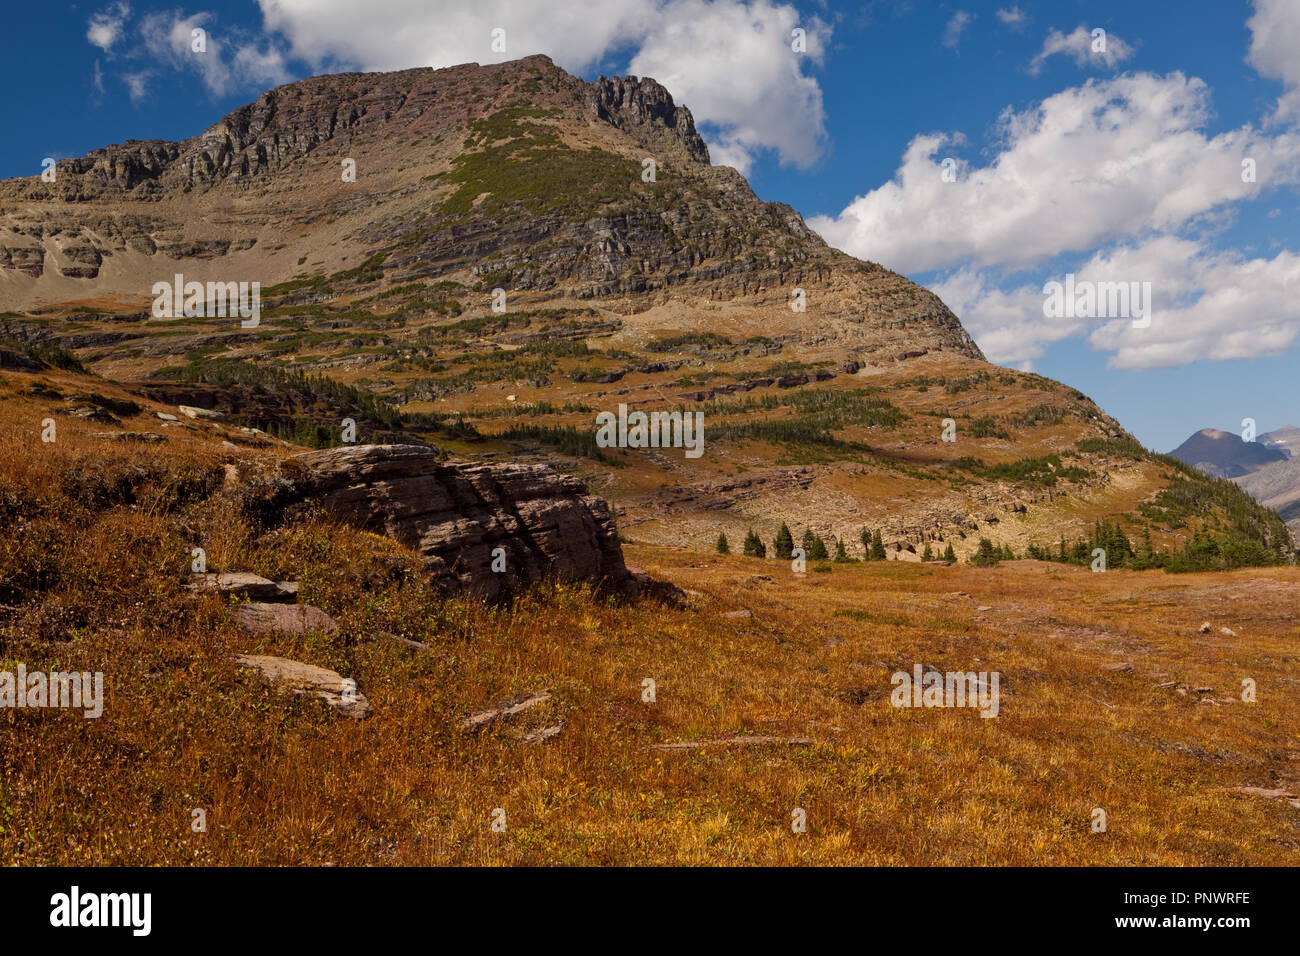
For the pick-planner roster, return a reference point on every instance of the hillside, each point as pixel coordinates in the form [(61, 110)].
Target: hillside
[(772, 691), (522, 187), (1277, 486), (363, 581)]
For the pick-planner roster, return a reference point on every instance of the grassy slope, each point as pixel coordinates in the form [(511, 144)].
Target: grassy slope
[(284, 781)]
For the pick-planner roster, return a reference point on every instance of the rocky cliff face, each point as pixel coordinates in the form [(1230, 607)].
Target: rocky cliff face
[(480, 528), (644, 106)]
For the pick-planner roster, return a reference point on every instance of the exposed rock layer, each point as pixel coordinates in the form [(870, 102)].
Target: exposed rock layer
[(458, 514)]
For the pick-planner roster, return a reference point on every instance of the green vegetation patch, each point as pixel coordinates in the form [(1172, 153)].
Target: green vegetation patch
[(520, 162)]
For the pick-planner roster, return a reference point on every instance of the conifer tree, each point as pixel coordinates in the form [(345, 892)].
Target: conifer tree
[(877, 547), (840, 554), (754, 547), (986, 555), (927, 554), (949, 554), (722, 545), (814, 548), (784, 543)]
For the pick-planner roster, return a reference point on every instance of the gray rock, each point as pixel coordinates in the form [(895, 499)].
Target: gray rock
[(457, 514), (284, 618), (546, 733), (246, 585), (190, 411), (307, 679), (476, 722)]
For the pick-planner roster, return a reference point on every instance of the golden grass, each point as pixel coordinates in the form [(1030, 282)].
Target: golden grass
[(286, 781)]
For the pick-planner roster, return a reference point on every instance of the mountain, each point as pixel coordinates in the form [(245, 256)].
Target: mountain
[(517, 173), (520, 252), (1265, 468), (1285, 439), (1226, 455), (1277, 486), (301, 643)]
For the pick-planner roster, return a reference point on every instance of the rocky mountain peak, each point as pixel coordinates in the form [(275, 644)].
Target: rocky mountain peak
[(644, 108)]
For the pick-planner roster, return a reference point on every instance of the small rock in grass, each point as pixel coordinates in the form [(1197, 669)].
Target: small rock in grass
[(308, 679), (286, 618)]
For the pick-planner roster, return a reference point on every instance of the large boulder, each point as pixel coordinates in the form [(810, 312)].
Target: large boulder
[(457, 514), (243, 584)]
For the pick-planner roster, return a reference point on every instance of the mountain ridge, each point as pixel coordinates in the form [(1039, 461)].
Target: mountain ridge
[(233, 159), (520, 248), (1225, 454)]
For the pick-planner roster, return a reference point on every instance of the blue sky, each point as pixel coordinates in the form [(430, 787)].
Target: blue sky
[(1116, 163)]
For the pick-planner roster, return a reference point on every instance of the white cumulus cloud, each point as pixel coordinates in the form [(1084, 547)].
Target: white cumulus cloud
[(1086, 47), (1012, 16), (1206, 303), (733, 65), (226, 63), (1089, 165), (1275, 49), (137, 85), (956, 27), (1209, 304), (1118, 177)]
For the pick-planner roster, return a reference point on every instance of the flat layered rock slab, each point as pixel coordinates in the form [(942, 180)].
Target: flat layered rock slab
[(190, 411), (464, 517), (295, 677), (259, 618), (476, 722), (244, 584), (1268, 793), (537, 736)]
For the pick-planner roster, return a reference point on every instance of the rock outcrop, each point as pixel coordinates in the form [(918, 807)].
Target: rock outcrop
[(268, 618), (483, 529), (308, 680), (644, 106)]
